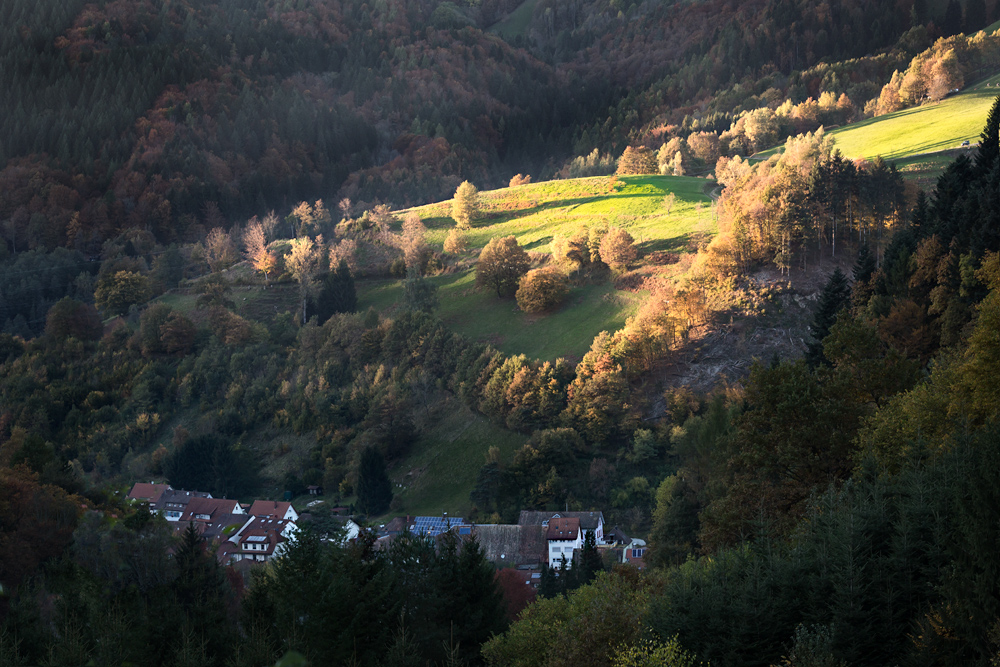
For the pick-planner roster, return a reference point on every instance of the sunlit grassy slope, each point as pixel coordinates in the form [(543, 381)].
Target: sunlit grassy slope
[(535, 214), (925, 129)]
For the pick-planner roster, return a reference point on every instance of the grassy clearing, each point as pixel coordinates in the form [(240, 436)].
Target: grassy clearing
[(442, 468), (481, 316), (929, 128), (536, 214), (516, 22)]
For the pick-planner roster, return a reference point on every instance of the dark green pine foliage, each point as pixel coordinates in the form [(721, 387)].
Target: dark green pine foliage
[(835, 296), (212, 463), (951, 23), (975, 15), (590, 564), (418, 292), (337, 294), (201, 590), (475, 603), (374, 488), (989, 141), (864, 269)]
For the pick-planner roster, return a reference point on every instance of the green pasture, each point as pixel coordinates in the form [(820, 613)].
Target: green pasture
[(441, 470), (535, 214), (479, 315), (930, 128), (517, 21)]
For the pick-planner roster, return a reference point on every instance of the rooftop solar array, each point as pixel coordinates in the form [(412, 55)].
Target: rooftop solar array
[(432, 526), (256, 538)]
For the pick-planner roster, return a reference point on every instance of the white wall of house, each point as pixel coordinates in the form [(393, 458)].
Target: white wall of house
[(558, 548)]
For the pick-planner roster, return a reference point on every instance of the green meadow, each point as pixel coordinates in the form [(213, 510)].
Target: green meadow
[(535, 214), (438, 474), (516, 22), (930, 128)]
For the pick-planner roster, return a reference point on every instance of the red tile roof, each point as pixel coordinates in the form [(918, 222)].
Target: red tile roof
[(148, 492), (269, 508), (211, 506), (563, 529)]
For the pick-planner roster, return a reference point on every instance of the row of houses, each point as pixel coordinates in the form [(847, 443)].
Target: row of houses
[(255, 532), (260, 531), (538, 538)]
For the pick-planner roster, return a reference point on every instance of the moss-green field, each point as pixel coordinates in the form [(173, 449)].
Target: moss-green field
[(929, 128), (535, 214), (516, 22), (441, 470)]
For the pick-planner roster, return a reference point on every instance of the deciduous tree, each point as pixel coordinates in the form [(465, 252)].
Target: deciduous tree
[(501, 265), (541, 290), (618, 248)]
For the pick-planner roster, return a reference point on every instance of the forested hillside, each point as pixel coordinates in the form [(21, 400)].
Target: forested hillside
[(206, 278), (177, 117)]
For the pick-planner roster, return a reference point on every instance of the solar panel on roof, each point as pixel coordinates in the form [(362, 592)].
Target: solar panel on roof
[(256, 538), (432, 526)]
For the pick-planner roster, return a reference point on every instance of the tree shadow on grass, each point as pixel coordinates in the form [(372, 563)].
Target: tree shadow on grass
[(535, 244), (680, 243)]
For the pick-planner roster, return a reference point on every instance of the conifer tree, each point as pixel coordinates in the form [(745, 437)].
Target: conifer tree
[(590, 559), (337, 294), (989, 141), (418, 292), (834, 297), (374, 488), (465, 206)]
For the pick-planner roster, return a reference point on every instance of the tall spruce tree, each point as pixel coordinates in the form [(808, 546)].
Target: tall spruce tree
[(374, 488), (835, 296), (337, 294)]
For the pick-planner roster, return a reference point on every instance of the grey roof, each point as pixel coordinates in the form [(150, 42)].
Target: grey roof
[(512, 545), (177, 499), (588, 520)]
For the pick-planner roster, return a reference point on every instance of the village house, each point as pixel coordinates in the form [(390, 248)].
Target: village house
[(590, 522), (274, 508), (259, 540), (633, 554), (164, 499), (523, 547), (564, 536)]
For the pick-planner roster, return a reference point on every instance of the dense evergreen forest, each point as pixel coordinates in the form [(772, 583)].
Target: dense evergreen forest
[(830, 510)]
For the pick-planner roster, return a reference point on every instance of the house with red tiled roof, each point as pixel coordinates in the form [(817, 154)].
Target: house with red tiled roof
[(206, 509), (173, 503), (564, 537), (590, 522), (274, 508), (261, 539), (147, 493)]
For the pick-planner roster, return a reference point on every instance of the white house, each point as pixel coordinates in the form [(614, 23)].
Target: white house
[(564, 537)]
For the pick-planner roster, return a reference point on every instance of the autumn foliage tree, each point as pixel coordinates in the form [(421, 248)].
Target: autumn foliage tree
[(304, 263), (456, 242), (637, 160), (72, 318), (501, 264), (255, 248), (618, 248), (465, 206), (412, 241), (542, 290)]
